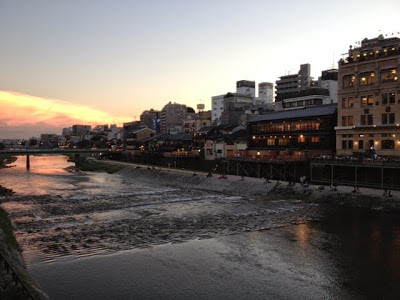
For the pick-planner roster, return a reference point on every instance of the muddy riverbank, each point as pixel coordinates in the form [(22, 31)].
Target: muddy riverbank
[(343, 196)]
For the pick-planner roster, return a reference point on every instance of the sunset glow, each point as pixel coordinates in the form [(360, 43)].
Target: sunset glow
[(26, 110)]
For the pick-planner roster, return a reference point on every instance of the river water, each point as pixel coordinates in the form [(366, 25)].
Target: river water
[(100, 236)]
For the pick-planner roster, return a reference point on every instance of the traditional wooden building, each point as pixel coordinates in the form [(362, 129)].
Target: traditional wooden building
[(309, 130)]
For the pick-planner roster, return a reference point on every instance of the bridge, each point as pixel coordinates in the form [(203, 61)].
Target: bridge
[(28, 151)]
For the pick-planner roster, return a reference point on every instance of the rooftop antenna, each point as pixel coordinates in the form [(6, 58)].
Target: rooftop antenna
[(333, 60)]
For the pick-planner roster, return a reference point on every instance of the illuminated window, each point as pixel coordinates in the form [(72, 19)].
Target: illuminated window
[(315, 140), (363, 100), (348, 81), (283, 142), (370, 100), (367, 78), (301, 139), (389, 75), (271, 142)]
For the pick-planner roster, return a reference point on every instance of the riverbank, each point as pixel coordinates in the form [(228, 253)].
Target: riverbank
[(14, 265), (343, 196)]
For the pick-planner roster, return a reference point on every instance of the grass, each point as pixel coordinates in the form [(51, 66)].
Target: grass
[(7, 228), (94, 165)]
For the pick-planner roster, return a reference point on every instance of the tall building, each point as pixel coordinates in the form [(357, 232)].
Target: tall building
[(79, 130), (148, 118), (172, 117), (321, 92), (265, 94), (246, 87), (369, 98), (294, 83)]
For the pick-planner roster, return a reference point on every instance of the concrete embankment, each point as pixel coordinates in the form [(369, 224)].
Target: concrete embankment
[(257, 187)]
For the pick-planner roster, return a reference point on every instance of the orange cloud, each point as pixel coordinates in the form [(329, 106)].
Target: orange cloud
[(18, 110)]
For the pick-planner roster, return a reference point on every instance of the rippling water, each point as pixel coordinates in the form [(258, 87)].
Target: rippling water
[(102, 236)]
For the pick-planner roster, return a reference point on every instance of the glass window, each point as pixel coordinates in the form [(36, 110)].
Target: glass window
[(271, 142), (387, 144), (348, 81), (350, 121), (363, 120), (344, 121), (363, 100), (384, 98), (350, 102), (344, 102), (389, 75), (392, 118), (370, 100), (350, 144), (392, 98), (344, 144), (367, 78), (384, 119), (360, 144), (370, 120)]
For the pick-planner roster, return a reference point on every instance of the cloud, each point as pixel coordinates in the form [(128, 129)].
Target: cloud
[(21, 110)]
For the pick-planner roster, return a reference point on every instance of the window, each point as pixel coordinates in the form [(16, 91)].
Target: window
[(384, 119), (389, 75), (350, 121), (271, 142), (350, 144), (344, 144), (370, 100), (360, 145), (392, 118), (315, 140), (363, 100), (344, 102), (283, 142), (370, 119), (384, 98), (348, 81), (363, 120), (367, 78), (392, 98), (344, 121), (387, 144), (350, 102)]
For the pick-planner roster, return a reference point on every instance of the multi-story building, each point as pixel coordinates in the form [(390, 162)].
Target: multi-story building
[(235, 106), (309, 130), (265, 94), (295, 82), (149, 118), (323, 91), (243, 99), (369, 98), (246, 87), (172, 117), (79, 130)]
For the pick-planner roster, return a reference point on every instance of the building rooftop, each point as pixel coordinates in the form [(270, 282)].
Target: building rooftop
[(307, 112), (302, 93)]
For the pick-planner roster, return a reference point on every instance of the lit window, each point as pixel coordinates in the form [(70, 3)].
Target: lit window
[(367, 78), (389, 75)]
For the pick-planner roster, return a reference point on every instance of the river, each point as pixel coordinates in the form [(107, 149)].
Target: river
[(105, 236)]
